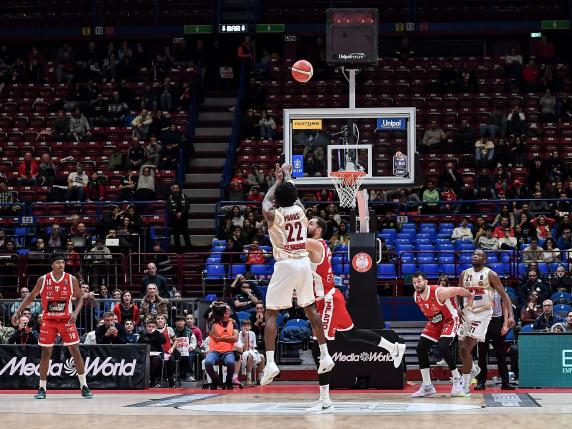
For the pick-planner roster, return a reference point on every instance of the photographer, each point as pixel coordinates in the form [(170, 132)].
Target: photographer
[(223, 335), (24, 333), (109, 332)]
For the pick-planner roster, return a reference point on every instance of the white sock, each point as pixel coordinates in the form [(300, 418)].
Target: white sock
[(390, 347), (323, 351), (475, 366), (43, 384), (426, 375), (82, 381), (325, 392), (466, 380), (455, 373), (270, 357)]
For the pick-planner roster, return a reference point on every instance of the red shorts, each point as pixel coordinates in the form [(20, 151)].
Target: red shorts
[(445, 328), (50, 328), (334, 314)]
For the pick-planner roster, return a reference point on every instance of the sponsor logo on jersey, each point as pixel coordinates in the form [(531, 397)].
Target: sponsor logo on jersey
[(362, 357), (362, 262)]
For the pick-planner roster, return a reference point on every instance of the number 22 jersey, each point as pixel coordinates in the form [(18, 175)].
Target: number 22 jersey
[(288, 233)]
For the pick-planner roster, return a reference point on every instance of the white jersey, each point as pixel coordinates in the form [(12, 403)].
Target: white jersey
[(288, 233), (478, 283)]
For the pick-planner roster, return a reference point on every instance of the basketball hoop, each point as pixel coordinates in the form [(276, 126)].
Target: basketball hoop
[(347, 184)]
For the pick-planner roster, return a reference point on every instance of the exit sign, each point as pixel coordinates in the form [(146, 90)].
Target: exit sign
[(197, 29), (558, 24)]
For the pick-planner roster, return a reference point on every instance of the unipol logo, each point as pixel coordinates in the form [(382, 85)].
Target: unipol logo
[(362, 357), (391, 124), (352, 56), (21, 366)]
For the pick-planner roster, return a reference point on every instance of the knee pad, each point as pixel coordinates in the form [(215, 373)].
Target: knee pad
[(423, 346)]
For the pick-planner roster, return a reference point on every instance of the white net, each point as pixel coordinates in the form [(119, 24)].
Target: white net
[(347, 184)]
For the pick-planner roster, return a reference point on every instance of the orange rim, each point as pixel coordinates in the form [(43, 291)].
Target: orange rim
[(347, 177)]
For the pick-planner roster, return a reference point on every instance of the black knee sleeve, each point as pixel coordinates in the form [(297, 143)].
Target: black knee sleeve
[(423, 349), (323, 379), (445, 346)]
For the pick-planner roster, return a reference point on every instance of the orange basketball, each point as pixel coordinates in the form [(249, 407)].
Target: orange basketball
[(302, 71)]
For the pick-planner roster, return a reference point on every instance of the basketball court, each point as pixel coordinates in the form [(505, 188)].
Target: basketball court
[(283, 406)]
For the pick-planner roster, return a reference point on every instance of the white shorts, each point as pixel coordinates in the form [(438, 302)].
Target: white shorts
[(290, 274), (475, 325), (255, 359)]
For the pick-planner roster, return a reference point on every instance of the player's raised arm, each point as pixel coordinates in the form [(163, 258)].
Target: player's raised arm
[(28, 300), (268, 202), (315, 250), (287, 172), (506, 302)]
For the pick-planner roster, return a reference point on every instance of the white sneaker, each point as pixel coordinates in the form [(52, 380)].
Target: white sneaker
[(326, 365), (398, 354), (424, 390), (270, 371), (467, 391), (457, 389), (441, 363), (321, 407), (475, 371)]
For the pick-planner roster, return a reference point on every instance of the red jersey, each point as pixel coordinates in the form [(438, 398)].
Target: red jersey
[(323, 274), (433, 309), (57, 297)]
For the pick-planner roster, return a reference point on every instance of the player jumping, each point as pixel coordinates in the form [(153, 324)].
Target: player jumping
[(481, 281), (438, 305), (287, 227), (331, 306), (56, 290)]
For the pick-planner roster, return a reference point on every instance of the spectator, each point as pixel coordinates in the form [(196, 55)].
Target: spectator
[(96, 187), (61, 126), (532, 283), (127, 188), (73, 260), (514, 63), (433, 139), (255, 196), (152, 304), (178, 208), (462, 232), (565, 242), (561, 281), (158, 280), (495, 126), (544, 51), (77, 183), (504, 213), (152, 152), (543, 226), (141, 124), (55, 239), (246, 54), (79, 126), (116, 109), (568, 324), (186, 345), (247, 299), (28, 171), (256, 177), (480, 228), (548, 107), (505, 234), (47, 171), (465, 137), (99, 257), (236, 187), (5, 332), (190, 323), (146, 183), (545, 321), (126, 309), (430, 198), (156, 340), (24, 333), (502, 153), (267, 126), (252, 360), (484, 150), (517, 191), (34, 308), (109, 332), (223, 335), (130, 334), (163, 261), (532, 310), (551, 252), (135, 154), (516, 121), (533, 252), (254, 254), (488, 242), (530, 76), (231, 254), (8, 202), (341, 236)]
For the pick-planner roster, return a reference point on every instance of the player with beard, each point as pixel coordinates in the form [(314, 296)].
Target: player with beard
[(331, 306)]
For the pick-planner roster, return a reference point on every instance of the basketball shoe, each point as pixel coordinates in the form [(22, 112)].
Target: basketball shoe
[(326, 365), (270, 371), (475, 371), (457, 389), (41, 393), (321, 407), (86, 393), (424, 390), (398, 354)]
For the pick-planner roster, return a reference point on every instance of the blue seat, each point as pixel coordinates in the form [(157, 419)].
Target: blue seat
[(505, 256), (446, 225), (263, 290), (446, 258), (562, 310), (337, 259), (243, 315), (341, 269), (423, 242), (561, 298), (500, 268), (444, 246), (431, 270), (213, 260), (267, 249), (526, 328), (401, 241), (464, 245), (427, 226), (218, 249), (407, 257), (448, 269), (445, 235), (408, 269), (210, 297), (409, 234), (236, 269), (408, 226), (425, 247), (492, 257), (279, 320), (404, 248), (342, 248), (386, 271), (427, 234), (520, 269), (392, 232), (259, 269), (215, 272), (465, 258), (388, 238), (219, 243), (426, 260), (462, 267), (509, 337), (301, 323), (543, 267)]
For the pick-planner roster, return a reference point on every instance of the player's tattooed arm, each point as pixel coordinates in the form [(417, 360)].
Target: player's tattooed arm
[(268, 202)]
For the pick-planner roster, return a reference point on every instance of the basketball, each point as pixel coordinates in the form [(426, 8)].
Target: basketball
[(302, 71)]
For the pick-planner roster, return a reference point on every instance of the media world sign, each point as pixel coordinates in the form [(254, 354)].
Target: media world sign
[(391, 124)]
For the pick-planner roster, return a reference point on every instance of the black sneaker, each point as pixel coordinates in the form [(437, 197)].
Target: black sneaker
[(213, 386), (41, 394), (86, 393), (480, 386), (508, 386)]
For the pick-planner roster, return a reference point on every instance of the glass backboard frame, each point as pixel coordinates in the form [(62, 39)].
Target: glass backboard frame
[(357, 113)]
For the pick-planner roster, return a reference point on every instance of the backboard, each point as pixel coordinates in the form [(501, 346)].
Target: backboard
[(377, 141)]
